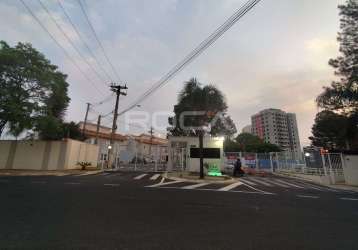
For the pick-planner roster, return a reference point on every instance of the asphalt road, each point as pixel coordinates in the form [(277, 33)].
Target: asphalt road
[(137, 211)]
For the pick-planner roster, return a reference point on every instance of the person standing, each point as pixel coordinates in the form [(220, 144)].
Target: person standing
[(237, 168)]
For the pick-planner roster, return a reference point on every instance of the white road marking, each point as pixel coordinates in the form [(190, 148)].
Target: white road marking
[(308, 196), (154, 177), (262, 182), (320, 188), (310, 186), (230, 191), (288, 183), (277, 183), (72, 183), (248, 182), (112, 185), (195, 185), (349, 199), (165, 183), (4, 181), (139, 176), (231, 186), (39, 182)]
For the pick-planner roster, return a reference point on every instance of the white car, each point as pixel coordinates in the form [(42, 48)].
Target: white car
[(228, 168)]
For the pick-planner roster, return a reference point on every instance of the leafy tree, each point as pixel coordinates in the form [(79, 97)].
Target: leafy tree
[(330, 131), (232, 146), (72, 130), (248, 139), (246, 142), (207, 99), (342, 96), (33, 93)]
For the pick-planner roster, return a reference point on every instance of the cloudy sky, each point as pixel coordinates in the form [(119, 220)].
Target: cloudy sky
[(275, 57)]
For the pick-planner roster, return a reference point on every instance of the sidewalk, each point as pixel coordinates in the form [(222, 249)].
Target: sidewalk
[(13, 172)]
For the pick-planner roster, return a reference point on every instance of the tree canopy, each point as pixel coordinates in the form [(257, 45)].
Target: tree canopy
[(330, 131), (209, 102), (246, 142), (33, 92), (341, 96)]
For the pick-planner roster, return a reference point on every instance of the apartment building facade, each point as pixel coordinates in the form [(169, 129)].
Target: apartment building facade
[(278, 127)]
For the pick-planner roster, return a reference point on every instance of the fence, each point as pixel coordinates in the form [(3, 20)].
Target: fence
[(134, 159), (269, 162), (327, 166)]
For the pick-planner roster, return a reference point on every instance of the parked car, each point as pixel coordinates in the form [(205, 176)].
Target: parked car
[(228, 169)]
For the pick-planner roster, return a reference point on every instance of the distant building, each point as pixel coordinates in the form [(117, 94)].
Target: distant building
[(278, 127), (126, 147), (247, 129)]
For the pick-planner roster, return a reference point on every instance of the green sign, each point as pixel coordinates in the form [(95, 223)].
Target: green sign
[(213, 170)]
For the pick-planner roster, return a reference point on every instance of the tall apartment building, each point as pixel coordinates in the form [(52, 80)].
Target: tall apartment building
[(278, 127)]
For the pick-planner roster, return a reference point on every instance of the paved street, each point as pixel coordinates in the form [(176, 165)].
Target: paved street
[(124, 210)]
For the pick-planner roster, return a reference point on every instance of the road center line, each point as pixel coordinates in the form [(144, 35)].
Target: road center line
[(72, 183), (308, 196), (39, 182)]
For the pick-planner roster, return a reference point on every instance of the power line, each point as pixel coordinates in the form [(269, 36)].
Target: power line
[(83, 40), (196, 52), (70, 41), (107, 99), (59, 45), (98, 41)]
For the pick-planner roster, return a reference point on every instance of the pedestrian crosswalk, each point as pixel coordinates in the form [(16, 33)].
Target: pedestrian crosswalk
[(231, 186), (140, 176), (266, 185), (257, 184)]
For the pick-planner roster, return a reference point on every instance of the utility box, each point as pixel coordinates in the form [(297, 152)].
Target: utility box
[(184, 154)]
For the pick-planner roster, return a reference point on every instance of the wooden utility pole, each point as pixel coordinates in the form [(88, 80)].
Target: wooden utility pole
[(97, 130), (85, 121), (118, 90)]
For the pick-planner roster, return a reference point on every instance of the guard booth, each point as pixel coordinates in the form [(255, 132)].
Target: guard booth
[(184, 154)]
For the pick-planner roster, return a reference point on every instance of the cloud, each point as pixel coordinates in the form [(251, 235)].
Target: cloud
[(261, 62), (319, 51)]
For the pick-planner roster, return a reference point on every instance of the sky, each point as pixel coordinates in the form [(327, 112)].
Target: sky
[(274, 57)]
